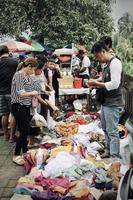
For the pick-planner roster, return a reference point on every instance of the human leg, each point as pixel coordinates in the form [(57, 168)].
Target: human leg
[(22, 115), (107, 139), (4, 123), (12, 128), (21, 144), (112, 120), (5, 106)]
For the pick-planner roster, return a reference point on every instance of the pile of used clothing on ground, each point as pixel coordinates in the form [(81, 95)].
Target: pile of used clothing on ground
[(67, 165)]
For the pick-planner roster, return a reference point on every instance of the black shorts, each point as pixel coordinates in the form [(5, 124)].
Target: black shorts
[(5, 104)]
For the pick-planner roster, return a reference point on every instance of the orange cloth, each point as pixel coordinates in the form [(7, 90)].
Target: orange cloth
[(56, 150)]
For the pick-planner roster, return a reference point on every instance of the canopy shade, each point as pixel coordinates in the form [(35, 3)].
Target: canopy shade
[(15, 46), (64, 51), (37, 46)]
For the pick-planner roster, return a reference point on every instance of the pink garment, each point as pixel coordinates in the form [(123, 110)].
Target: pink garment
[(34, 102), (29, 163), (52, 182), (48, 145)]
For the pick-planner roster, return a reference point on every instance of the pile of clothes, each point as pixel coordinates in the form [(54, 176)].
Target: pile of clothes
[(68, 167)]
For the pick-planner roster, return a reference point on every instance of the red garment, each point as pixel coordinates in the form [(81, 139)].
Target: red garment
[(69, 114), (52, 182), (48, 145), (94, 115), (29, 163), (65, 58)]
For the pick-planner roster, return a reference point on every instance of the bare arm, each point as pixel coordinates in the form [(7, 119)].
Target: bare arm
[(96, 83), (27, 94)]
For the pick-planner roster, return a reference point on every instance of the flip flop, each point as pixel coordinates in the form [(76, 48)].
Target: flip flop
[(18, 160)]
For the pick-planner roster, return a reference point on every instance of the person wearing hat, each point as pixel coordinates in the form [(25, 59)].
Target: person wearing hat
[(23, 89)]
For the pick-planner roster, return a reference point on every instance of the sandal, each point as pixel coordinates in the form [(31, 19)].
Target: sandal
[(18, 160)]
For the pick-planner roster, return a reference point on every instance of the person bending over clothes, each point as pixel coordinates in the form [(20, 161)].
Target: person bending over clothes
[(36, 85), (45, 103)]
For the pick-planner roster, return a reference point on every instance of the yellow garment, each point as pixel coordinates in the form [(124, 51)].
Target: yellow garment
[(73, 183), (26, 179), (99, 163), (66, 142), (80, 190), (56, 150), (20, 197), (60, 189)]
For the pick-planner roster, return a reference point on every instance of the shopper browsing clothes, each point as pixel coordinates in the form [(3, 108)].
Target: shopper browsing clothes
[(110, 97), (22, 92)]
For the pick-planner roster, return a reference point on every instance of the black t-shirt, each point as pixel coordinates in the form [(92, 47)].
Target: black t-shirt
[(7, 69), (56, 75)]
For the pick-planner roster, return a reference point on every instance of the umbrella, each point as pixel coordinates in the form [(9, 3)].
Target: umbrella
[(37, 46), (15, 46), (64, 51)]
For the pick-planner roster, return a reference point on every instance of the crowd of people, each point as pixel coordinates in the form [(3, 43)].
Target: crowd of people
[(34, 79), (21, 82), (23, 79)]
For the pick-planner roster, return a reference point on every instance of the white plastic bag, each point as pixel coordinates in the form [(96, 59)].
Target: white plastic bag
[(77, 105), (38, 120), (50, 122)]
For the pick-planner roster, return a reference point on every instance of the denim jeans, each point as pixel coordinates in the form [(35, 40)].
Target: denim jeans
[(110, 119)]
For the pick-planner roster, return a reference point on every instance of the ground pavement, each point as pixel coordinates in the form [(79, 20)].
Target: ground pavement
[(9, 171)]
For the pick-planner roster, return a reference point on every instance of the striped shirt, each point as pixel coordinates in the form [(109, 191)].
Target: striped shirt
[(23, 83)]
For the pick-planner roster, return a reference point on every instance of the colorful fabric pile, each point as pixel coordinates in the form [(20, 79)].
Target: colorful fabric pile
[(70, 165)]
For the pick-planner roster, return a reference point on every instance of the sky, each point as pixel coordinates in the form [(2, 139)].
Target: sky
[(121, 7)]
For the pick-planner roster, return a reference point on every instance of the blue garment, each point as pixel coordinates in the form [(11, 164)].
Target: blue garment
[(110, 119)]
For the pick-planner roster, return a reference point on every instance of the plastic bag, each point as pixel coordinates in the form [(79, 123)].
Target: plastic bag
[(38, 120), (77, 105)]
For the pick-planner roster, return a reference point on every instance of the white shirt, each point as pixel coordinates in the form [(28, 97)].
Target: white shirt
[(115, 71), (85, 63)]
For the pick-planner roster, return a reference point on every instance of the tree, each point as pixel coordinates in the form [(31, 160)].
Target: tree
[(124, 50), (57, 22), (123, 42), (125, 26)]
